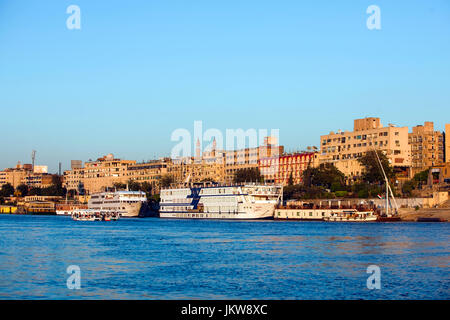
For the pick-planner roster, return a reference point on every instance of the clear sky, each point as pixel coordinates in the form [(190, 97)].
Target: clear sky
[(138, 70)]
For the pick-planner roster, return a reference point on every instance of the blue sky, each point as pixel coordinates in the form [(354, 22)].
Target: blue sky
[(138, 70)]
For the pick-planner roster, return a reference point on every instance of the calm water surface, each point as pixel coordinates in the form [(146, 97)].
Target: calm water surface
[(199, 259)]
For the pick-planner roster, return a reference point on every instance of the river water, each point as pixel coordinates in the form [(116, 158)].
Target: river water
[(154, 258)]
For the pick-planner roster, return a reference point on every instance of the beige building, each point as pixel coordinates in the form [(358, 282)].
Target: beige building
[(427, 147), (23, 174), (95, 176), (17, 175), (150, 172), (221, 165), (38, 180), (197, 171), (250, 157), (344, 148), (13, 176), (447, 142)]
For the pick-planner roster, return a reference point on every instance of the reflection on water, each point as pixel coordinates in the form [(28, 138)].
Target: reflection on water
[(170, 259)]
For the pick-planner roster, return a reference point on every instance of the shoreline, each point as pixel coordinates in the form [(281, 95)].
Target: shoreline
[(411, 214)]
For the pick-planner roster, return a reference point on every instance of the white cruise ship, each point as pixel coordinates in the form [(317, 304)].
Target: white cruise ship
[(220, 202), (127, 203)]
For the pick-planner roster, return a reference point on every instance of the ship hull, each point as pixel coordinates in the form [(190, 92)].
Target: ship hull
[(253, 212), (215, 216), (131, 210), (242, 202), (126, 210), (127, 203)]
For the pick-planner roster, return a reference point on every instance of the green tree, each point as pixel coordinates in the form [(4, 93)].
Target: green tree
[(421, 176), (7, 190), (247, 175), (133, 185), (408, 187), (146, 187), (35, 191), (325, 175), (291, 180), (372, 172), (167, 180), (119, 185), (23, 189)]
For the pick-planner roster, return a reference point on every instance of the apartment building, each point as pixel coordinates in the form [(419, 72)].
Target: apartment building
[(95, 176), (447, 143), (74, 179), (344, 148), (15, 176), (38, 180), (279, 169), (150, 172), (197, 171), (250, 157), (427, 147)]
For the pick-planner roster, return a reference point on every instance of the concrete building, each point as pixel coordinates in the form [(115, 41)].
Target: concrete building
[(38, 180), (102, 173), (196, 171), (447, 143), (279, 169), (427, 147), (23, 174), (221, 165), (150, 172), (344, 148), (13, 176), (250, 157)]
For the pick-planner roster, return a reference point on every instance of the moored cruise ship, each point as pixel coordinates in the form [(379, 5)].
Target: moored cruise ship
[(220, 202), (127, 203)]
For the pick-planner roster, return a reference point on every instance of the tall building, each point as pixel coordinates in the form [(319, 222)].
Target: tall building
[(427, 147), (95, 176), (15, 176), (38, 180), (150, 172), (197, 171), (447, 142), (279, 169), (23, 174), (250, 157), (344, 148)]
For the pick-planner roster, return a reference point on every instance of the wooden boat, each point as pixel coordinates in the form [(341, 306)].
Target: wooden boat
[(351, 216), (95, 215)]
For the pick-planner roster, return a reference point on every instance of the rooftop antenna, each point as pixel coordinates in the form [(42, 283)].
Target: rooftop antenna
[(33, 157)]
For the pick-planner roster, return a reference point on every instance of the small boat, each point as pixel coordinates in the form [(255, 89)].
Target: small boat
[(351, 216), (95, 215), (83, 215)]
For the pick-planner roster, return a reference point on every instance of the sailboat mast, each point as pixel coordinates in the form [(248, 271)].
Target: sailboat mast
[(387, 197), (386, 180)]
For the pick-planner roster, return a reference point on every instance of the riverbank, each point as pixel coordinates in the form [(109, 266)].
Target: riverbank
[(411, 214)]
